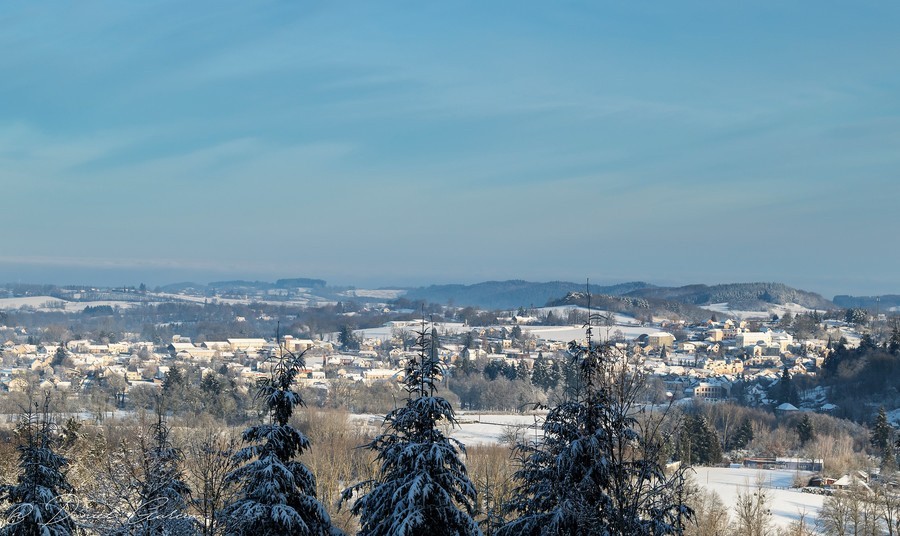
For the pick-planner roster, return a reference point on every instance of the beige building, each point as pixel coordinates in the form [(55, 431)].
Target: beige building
[(752, 338), (721, 366), (711, 391), (661, 339), (247, 345)]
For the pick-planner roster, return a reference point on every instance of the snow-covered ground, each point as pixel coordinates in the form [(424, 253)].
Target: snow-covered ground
[(298, 302), (386, 332), (779, 310), (486, 429), (574, 333), (49, 303), (474, 428), (381, 294), (30, 301), (561, 311), (786, 504)]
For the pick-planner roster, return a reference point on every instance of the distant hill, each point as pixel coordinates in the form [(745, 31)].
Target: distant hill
[(512, 294), (641, 308), (882, 303), (739, 296), (178, 287), (240, 285), (300, 282)]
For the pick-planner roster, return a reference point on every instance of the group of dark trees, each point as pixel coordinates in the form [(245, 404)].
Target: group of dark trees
[(600, 467), (866, 375)]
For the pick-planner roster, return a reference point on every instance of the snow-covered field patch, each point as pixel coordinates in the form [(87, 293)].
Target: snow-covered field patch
[(386, 332), (487, 429), (29, 301), (380, 294), (575, 333), (786, 504), (49, 303), (561, 311), (779, 310)]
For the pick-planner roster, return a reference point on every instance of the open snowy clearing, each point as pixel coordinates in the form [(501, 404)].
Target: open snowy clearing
[(563, 310), (49, 303), (299, 302), (489, 429), (576, 333), (779, 310), (386, 332), (786, 504), (381, 294)]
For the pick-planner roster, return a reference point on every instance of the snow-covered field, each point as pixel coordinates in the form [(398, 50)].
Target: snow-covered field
[(486, 429), (386, 332), (563, 311), (779, 310), (786, 504), (574, 333), (48, 303), (381, 294), (299, 302)]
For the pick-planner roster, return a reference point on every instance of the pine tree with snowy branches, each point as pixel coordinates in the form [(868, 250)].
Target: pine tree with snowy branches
[(162, 493), (277, 494), (35, 506), (598, 470), (422, 486)]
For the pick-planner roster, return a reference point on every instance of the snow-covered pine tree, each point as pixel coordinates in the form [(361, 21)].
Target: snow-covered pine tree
[(422, 486), (599, 468), (35, 506), (162, 493), (277, 495)]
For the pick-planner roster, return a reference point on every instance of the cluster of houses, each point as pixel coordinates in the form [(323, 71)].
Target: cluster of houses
[(706, 361)]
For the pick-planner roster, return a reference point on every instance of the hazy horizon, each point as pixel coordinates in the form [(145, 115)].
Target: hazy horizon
[(154, 276), (373, 144)]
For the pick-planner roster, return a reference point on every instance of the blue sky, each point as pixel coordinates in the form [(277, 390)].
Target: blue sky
[(377, 143)]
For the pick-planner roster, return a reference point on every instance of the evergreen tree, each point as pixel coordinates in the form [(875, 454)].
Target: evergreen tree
[(699, 443), (173, 381), (743, 436), (805, 430), (785, 390), (35, 504), (894, 342), (59, 356), (540, 373), (493, 369), (347, 339), (509, 371), (598, 469), (162, 493), (435, 346), (277, 493), (422, 486), (516, 333), (882, 439), (522, 371)]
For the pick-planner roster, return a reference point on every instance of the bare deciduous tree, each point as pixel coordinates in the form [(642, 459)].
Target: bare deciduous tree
[(208, 460), (753, 515)]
